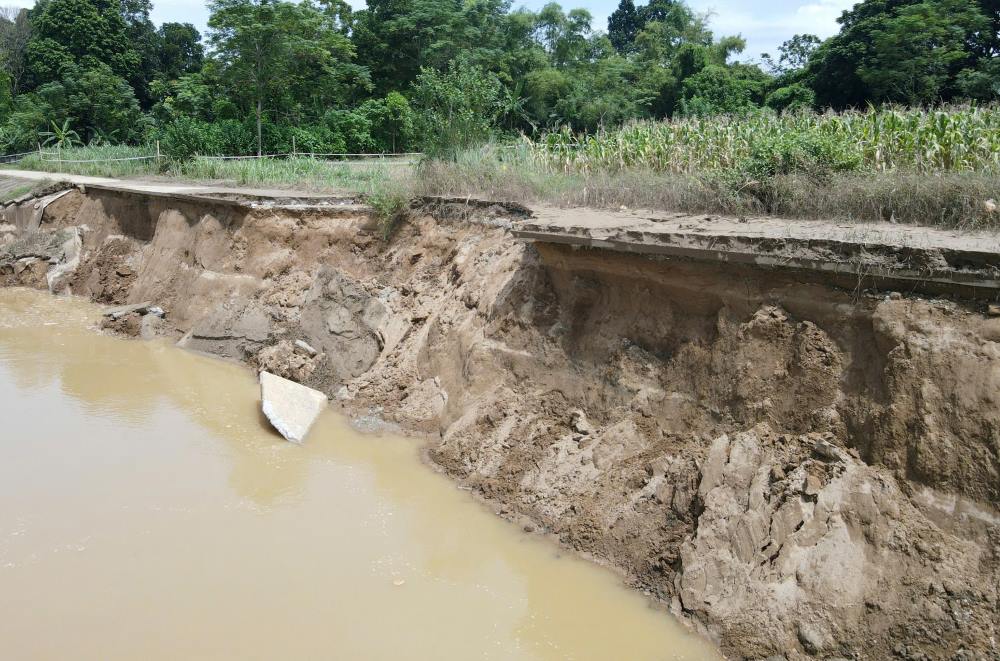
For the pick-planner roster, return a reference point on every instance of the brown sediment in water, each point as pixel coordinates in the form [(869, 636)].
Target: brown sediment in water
[(147, 512), (800, 469)]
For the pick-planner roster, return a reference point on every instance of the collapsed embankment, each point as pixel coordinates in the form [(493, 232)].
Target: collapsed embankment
[(799, 470)]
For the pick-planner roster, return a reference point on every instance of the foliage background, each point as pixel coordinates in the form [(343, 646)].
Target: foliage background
[(273, 76)]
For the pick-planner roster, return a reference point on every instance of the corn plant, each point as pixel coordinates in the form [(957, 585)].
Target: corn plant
[(957, 139)]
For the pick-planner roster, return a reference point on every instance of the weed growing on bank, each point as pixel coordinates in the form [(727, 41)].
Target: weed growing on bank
[(14, 193), (957, 199)]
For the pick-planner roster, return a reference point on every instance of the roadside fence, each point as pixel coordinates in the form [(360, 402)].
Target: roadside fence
[(14, 158), (317, 155), (403, 158)]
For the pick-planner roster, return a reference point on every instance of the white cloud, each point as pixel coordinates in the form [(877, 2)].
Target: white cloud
[(765, 30)]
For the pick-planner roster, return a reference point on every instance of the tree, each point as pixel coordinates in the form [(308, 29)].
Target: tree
[(671, 51), (145, 39), (392, 121), (918, 54), (791, 97), (793, 55), (456, 108), (397, 39), (624, 26), (15, 32), (718, 89), (250, 45), (181, 52), (564, 36), (67, 33), (104, 106), (280, 54), (914, 51)]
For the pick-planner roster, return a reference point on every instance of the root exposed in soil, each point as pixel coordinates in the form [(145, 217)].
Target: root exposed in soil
[(798, 471)]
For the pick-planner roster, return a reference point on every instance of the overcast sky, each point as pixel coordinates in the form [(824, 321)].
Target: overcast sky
[(763, 23)]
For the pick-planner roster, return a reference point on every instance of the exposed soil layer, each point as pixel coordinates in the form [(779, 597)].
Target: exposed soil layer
[(800, 470), (852, 255)]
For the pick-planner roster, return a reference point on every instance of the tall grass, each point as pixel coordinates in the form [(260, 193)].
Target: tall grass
[(104, 161), (301, 172), (930, 167), (949, 199), (960, 139)]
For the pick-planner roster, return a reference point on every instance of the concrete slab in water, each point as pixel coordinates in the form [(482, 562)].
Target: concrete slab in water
[(291, 407)]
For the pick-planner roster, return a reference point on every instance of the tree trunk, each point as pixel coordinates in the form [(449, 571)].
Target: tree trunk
[(260, 151)]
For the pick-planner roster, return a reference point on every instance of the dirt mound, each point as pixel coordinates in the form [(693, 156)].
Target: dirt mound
[(800, 470)]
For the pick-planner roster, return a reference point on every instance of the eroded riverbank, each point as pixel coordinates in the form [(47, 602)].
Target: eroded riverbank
[(800, 467), (146, 511)]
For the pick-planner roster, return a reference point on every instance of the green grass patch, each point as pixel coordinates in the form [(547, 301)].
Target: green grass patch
[(299, 172), (14, 193)]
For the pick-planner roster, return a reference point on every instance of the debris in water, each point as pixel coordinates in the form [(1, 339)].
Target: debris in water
[(121, 311), (290, 407), (398, 582)]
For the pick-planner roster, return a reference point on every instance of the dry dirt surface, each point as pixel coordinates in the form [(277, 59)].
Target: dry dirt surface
[(799, 470)]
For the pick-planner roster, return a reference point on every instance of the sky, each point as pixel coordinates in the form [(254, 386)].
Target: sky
[(765, 24)]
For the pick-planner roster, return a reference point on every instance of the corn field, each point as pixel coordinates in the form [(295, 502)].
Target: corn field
[(961, 139)]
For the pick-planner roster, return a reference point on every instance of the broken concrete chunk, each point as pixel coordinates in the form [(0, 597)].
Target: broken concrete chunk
[(121, 311), (826, 451), (812, 486), (579, 422), (290, 407), (306, 347)]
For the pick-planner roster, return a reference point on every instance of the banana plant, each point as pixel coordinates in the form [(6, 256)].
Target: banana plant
[(61, 137)]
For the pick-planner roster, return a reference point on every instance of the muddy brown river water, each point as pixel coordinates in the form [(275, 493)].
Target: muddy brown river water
[(147, 511)]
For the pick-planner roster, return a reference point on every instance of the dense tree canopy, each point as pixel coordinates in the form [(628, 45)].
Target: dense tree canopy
[(909, 51), (273, 75)]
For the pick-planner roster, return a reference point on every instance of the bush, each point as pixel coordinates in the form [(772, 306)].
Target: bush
[(353, 128), (791, 97), (456, 109), (185, 137), (812, 153), (765, 173), (392, 122)]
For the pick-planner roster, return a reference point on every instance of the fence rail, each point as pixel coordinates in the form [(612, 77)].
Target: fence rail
[(99, 160), (312, 155), (56, 157), (13, 158)]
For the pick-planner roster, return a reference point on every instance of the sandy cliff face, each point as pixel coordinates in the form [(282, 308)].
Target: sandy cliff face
[(800, 471)]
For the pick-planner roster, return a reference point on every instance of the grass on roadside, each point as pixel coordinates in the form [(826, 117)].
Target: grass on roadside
[(106, 161), (949, 199), (927, 167), (301, 172), (8, 194)]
